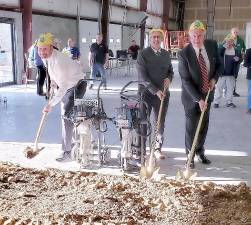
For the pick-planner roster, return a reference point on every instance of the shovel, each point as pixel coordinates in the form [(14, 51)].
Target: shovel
[(30, 152), (188, 174), (150, 167)]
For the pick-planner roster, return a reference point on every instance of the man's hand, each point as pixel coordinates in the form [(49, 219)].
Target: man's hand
[(212, 84), (160, 94), (53, 85), (236, 58), (90, 62), (47, 108), (166, 83), (106, 65), (203, 105)]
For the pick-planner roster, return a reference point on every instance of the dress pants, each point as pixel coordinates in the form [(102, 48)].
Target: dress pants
[(41, 75), (67, 104), (192, 118)]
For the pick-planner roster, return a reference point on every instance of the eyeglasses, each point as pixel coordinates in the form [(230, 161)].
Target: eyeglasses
[(156, 36)]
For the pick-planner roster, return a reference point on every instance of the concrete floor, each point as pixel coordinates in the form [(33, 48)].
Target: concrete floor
[(227, 145)]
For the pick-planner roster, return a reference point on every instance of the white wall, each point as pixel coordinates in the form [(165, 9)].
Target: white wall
[(129, 34), (153, 21), (59, 27), (88, 8), (88, 31), (18, 39), (115, 33), (130, 3), (10, 2), (155, 6)]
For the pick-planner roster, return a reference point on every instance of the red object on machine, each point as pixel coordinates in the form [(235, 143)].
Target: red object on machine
[(166, 40), (174, 41), (178, 39)]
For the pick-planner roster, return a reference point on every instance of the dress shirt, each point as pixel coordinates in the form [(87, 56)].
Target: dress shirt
[(157, 52), (204, 54), (64, 72)]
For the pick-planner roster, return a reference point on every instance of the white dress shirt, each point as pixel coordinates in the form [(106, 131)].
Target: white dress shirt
[(64, 71), (205, 56)]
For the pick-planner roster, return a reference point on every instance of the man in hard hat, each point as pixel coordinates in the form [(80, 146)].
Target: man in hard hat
[(230, 59), (239, 46), (66, 76), (156, 72), (199, 67)]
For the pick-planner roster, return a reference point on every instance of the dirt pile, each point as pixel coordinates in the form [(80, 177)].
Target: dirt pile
[(30, 196)]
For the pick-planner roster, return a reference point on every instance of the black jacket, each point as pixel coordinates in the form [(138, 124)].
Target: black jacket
[(247, 63), (190, 74), (235, 69)]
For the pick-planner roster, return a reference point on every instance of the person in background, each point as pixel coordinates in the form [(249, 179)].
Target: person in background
[(66, 78), (133, 50), (98, 59), (35, 59), (247, 63), (198, 67), (71, 50), (240, 47), (155, 73), (230, 59)]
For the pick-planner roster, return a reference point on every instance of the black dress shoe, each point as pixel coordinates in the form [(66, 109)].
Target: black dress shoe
[(236, 94), (203, 159)]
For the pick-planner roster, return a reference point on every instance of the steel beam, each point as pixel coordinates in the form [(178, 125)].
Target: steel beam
[(26, 8), (104, 20), (143, 7)]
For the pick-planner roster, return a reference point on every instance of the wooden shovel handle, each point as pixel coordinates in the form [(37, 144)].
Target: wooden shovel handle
[(191, 153), (42, 122), (160, 111)]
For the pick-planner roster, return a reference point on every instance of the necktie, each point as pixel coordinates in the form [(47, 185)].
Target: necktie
[(204, 73)]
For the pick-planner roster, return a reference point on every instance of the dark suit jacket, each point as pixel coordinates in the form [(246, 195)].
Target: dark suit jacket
[(190, 74), (247, 63)]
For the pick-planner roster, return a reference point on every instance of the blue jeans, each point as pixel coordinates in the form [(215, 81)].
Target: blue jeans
[(249, 94), (98, 68)]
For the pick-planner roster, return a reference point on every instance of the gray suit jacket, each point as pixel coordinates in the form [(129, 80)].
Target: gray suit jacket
[(190, 74)]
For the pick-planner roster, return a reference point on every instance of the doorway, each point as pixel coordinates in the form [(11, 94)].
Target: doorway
[(7, 72)]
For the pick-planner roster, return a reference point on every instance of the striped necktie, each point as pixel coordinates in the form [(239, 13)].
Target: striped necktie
[(204, 73)]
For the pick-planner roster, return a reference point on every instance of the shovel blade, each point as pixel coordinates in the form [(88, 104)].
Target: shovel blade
[(186, 175), (148, 172), (30, 153)]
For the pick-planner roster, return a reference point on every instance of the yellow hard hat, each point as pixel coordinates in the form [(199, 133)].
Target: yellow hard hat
[(229, 37), (157, 30), (45, 40), (197, 25)]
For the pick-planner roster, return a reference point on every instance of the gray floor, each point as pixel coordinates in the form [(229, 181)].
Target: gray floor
[(227, 144)]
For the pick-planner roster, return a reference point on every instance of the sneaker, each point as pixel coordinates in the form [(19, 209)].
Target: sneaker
[(231, 105), (236, 94), (64, 156), (216, 105), (158, 154)]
